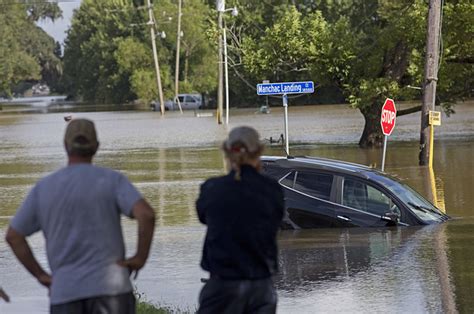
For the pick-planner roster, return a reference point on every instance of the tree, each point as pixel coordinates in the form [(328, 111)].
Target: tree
[(370, 50), (108, 56), (197, 51), (91, 71), (26, 51)]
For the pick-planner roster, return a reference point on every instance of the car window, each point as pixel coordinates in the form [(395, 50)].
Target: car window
[(289, 180), (314, 184), (365, 197), (190, 99), (181, 98)]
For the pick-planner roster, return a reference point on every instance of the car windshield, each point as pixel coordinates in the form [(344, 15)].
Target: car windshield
[(417, 203)]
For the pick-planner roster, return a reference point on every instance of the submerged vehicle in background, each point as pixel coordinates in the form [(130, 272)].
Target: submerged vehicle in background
[(187, 102), (323, 193)]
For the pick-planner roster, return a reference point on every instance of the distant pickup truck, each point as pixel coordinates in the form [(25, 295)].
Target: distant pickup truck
[(187, 102)]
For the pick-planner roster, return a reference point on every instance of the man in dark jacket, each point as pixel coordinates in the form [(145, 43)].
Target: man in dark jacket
[(242, 211)]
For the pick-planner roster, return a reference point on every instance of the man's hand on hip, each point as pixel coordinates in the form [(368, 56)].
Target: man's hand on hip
[(134, 264), (45, 279)]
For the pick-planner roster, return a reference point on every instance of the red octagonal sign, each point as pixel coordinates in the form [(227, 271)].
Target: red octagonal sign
[(389, 116)]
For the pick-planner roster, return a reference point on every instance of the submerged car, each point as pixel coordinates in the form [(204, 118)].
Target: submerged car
[(322, 193)]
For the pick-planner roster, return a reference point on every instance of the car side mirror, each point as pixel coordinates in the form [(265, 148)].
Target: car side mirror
[(391, 217)]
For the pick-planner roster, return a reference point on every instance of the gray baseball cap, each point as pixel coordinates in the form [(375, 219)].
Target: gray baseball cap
[(243, 136)]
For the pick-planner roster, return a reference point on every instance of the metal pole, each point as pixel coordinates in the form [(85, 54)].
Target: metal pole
[(433, 187), (151, 22), (285, 106), (384, 151), (430, 163), (178, 44), (226, 71), (220, 86), (431, 78)]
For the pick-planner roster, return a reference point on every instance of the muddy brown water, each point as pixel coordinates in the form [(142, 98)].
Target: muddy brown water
[(396, 270)]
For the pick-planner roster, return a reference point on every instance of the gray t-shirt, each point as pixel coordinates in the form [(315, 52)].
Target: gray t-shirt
[(78, 209)]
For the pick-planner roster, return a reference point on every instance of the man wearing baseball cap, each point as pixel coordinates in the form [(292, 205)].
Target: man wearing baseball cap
[(243, 211), (78, 209)]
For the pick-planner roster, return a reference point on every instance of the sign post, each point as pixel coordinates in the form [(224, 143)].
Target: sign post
[(285, 106), (387, 121), (284, 89)]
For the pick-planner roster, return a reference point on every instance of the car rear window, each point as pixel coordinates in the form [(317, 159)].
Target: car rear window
[(312, 183)]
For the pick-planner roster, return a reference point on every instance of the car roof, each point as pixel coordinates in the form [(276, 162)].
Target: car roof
[(316, 163)]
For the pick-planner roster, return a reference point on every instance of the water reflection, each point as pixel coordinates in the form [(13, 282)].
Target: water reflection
[(310, 257), (401, 270)]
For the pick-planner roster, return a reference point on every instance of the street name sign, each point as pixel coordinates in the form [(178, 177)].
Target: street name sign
[(285, 88), (389, 117)]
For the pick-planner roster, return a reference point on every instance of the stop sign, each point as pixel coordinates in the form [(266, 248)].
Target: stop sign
[(389, 116)]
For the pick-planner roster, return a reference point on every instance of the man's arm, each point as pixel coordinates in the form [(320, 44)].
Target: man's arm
[(145, 216), (23, 252)]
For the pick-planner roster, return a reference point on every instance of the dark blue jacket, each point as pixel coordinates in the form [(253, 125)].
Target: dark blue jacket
[(242, 218)]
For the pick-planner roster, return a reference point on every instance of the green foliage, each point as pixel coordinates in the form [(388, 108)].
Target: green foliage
[(143, 83), (26, 51), (108, 54), (91, 70), (38, 10), (456, 76), (144, 307), (198, 54), (262, 57), (365, 49), (147, 308), (370, 49)]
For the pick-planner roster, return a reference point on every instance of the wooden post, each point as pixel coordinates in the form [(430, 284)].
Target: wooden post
[(152, 25), (178, 44), (220, 87), (431, 78)]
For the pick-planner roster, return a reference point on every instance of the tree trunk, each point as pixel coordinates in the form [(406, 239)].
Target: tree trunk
[(372, 135)]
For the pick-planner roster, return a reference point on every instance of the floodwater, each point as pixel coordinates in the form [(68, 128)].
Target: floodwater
[(396, 270)]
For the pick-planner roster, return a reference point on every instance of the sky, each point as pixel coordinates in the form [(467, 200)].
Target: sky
[(58, 29)]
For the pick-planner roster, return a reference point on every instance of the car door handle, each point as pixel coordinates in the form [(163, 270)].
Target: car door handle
[(344, 218)]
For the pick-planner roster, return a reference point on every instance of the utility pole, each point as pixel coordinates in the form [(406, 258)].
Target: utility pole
[(226, 73), (178, 44), (152, 24), (220, 88), (430, 80)]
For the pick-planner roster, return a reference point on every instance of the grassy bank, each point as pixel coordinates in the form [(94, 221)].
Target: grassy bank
[(147, 308), (144, 307)]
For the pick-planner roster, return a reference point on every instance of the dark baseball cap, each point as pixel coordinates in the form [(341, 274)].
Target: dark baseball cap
[(244, 136), (81, 134)]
